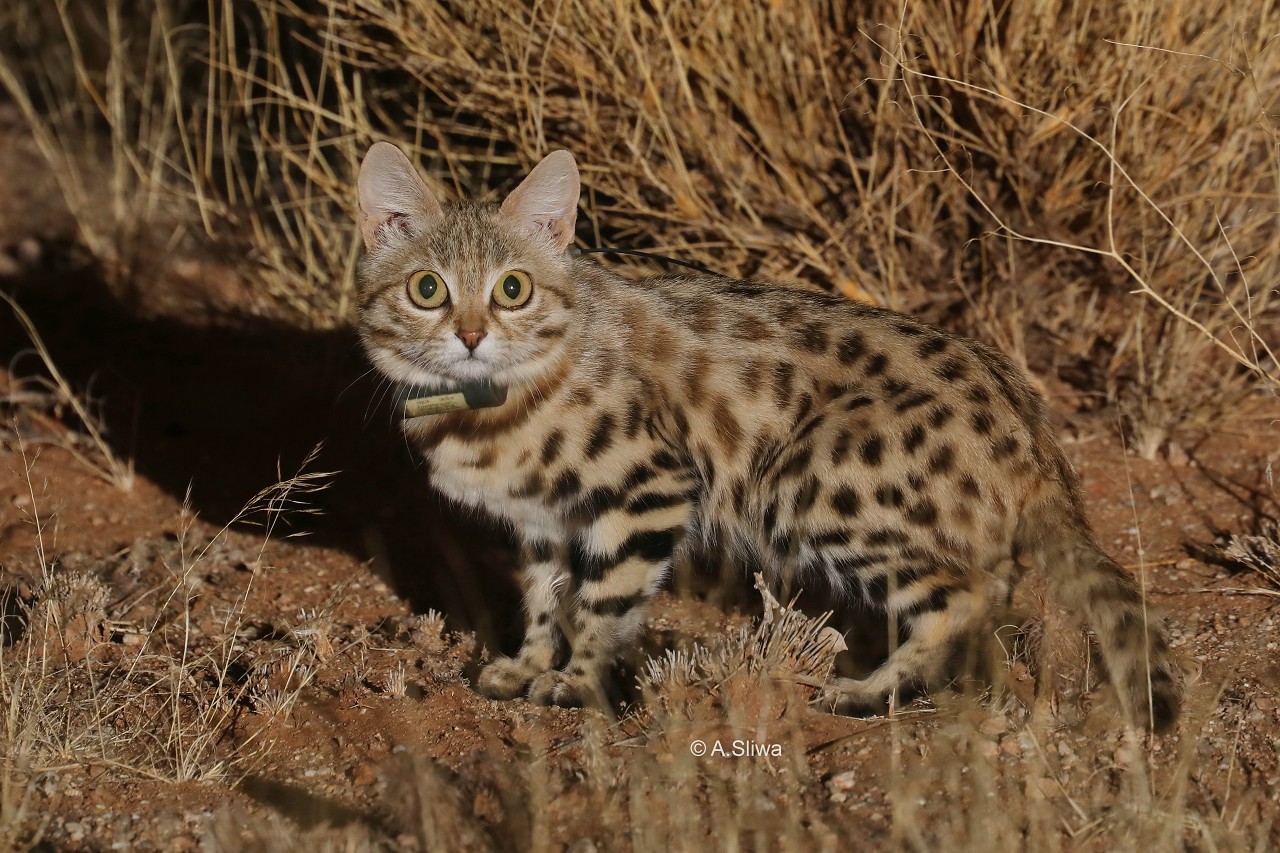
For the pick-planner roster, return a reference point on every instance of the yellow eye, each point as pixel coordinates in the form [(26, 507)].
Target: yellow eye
[(427, 290), (513, 289)]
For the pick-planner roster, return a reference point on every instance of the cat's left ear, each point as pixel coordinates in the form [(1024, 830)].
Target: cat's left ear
[(545, 205)]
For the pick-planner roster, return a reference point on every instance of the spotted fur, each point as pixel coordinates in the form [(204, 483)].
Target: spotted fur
[(819, 438)]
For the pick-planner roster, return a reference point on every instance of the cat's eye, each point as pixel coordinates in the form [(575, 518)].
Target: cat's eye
[(513, 289), (427, 290)]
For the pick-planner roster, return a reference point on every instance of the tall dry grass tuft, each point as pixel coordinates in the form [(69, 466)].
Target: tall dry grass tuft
[(1093, 187)]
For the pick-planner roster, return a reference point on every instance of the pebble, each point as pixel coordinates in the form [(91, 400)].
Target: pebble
[(842, 785), (364, 774), (30, 251), (993, 726)]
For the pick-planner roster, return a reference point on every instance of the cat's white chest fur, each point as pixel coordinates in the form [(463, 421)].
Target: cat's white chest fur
[(456, 474)]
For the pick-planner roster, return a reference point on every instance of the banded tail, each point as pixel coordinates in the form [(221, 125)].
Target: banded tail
[(1130, 634)]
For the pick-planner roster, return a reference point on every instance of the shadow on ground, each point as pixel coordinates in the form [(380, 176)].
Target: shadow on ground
[(221, 406)]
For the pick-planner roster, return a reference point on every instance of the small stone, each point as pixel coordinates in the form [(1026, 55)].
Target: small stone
[(1125, 755), (842, 785), (993, 726), (364, 774), (30, 251)]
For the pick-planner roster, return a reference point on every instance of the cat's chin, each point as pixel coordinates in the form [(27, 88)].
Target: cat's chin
[(471, 370)]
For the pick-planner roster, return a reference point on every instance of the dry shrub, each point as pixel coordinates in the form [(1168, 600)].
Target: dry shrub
[(1259, 553), (785, 658)]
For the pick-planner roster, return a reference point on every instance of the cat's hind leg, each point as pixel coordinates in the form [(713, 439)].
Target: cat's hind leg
[(939, 614)]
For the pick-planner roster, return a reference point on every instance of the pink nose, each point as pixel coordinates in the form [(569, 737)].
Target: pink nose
[(471, 337)]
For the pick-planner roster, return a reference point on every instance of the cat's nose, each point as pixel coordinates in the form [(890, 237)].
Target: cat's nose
[(471, 337)]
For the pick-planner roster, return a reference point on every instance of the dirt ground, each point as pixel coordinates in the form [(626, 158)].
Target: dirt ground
[(348, 628)]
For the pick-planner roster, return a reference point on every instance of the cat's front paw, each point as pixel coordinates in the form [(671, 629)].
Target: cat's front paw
[(563, 690), (505, 678)]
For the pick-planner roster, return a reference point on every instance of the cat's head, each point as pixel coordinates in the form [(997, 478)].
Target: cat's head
[(462, 292)]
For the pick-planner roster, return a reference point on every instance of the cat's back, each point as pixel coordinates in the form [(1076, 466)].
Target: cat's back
[(788, 347)]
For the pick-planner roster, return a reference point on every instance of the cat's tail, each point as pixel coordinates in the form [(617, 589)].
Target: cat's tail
[(1053, 532)]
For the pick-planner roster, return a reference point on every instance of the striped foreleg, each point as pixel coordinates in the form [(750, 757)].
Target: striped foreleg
[(618, 562), (544, 580)]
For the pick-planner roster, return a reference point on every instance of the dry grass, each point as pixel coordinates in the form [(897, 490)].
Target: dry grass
[(161, 700), (964, 775), (101, 459), (1093, 188), (1260, 553)]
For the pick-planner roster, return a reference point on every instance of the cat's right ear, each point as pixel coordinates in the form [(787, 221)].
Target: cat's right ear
[(392, 194)]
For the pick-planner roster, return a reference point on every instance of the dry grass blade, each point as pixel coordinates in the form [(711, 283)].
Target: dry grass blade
[(111, 468)]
